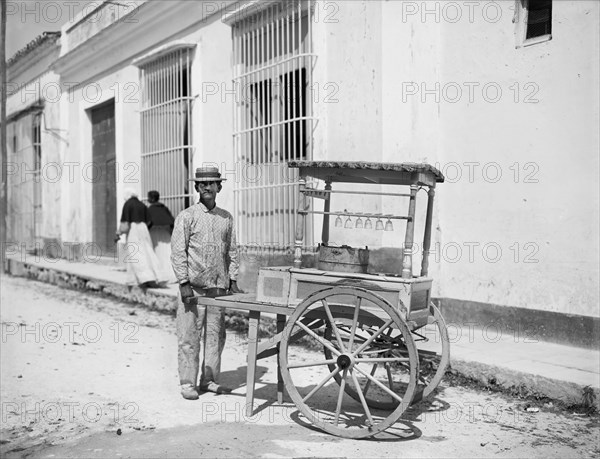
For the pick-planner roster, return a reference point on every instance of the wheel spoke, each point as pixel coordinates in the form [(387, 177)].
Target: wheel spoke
[(338, 408), (368, 383), (382, 359), (333, 325), (372, 337), (389, 375), (300, 333), (362, 399), (312, 364), (354, 322), (375, 351), (393, 394), (318, 338), (321, 384)]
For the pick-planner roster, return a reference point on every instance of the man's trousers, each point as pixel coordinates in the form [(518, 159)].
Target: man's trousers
[(195, 323)]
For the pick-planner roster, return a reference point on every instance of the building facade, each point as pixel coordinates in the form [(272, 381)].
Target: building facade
[(502, 97)]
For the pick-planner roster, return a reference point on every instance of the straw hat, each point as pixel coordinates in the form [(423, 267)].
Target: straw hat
[(207, 174)]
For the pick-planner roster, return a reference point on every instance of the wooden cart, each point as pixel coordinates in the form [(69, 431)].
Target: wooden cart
[(381, 343)]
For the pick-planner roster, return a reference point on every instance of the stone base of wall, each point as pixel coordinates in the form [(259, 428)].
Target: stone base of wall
[(524, 324), (155, 299)]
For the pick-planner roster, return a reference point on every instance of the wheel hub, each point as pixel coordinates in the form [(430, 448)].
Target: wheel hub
[(344, 361)]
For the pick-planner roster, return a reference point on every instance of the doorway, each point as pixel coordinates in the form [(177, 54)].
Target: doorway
[(104, 192)]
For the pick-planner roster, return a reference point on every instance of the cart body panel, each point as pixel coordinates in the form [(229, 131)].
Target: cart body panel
[(290, 286)]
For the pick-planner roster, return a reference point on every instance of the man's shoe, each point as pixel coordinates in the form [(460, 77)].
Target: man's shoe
[(189, 392), (214, 387)]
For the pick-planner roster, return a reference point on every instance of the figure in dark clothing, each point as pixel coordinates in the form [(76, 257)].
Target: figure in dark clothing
[(141, 261), (160, 223)]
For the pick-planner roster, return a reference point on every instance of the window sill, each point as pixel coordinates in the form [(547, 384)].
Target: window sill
[(535, 40)]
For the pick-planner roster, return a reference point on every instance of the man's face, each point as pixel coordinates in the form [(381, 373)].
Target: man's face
[(208, 191)]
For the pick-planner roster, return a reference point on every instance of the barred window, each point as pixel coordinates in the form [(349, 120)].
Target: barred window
[(166, 128), (273, 120)]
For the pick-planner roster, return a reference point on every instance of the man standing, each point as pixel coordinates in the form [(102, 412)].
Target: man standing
[(204, 259)]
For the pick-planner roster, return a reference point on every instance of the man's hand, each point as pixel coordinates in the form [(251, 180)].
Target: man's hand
[(186, 291), (117, 237), (233, 287)]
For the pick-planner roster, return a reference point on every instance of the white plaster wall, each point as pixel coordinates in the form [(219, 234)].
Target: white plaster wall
[(522, 170), (35, 85), (541, 211), (78, 103), (213, 105), (52, 138), (348, 100)]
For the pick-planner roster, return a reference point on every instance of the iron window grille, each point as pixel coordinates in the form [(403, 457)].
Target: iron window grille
[(166, 121), (273, 122)]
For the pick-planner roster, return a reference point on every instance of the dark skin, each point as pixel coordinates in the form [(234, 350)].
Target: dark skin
[(208, 193), (208, 196)]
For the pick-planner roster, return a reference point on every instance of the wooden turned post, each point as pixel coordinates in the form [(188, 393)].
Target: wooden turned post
[(300, 223), (326, 209), (410, 233), (427, 235)]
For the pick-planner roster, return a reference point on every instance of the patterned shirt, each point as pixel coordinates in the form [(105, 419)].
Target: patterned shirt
[(203, 247)]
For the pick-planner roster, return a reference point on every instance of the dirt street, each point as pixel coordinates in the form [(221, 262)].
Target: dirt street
[(86, 376)]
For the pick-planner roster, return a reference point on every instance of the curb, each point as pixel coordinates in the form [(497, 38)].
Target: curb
[(565, 392)]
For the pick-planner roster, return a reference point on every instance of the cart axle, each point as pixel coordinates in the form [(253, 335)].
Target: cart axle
[(345, 361)]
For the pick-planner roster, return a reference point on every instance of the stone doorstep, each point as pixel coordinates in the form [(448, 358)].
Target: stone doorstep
[(166, 300)]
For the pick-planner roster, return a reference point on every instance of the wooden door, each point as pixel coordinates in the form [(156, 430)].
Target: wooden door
[(104, 193)]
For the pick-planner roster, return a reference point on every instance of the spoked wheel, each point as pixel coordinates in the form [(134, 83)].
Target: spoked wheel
[(433, 345), (371, 352)]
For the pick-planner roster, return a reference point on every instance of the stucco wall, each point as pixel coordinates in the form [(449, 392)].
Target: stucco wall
[(213, 107), (519, 210), (517, 219), (31, 85), (542, 136)]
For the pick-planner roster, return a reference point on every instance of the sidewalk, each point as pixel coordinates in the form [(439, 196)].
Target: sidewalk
[(490, 356)]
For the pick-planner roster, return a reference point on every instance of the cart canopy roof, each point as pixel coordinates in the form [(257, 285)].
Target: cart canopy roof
[(366, 172)]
